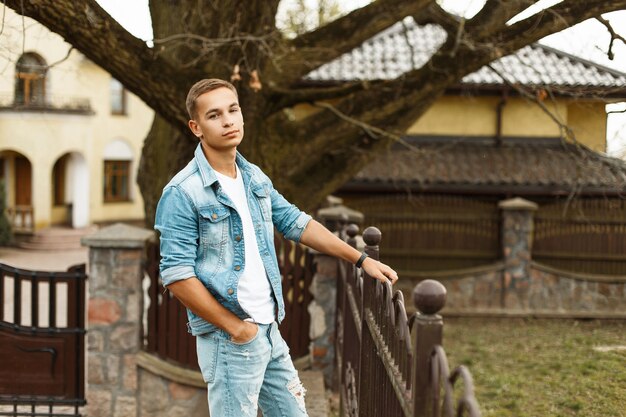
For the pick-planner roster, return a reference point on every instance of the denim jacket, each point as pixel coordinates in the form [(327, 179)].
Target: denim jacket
[(202, 233)]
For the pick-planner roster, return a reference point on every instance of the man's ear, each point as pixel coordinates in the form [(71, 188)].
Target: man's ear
[(195, 129)]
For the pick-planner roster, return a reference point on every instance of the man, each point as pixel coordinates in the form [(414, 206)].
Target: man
[(216, 218)]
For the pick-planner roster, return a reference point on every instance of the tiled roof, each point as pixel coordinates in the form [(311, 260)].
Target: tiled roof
[(406, 46), (547, 167)]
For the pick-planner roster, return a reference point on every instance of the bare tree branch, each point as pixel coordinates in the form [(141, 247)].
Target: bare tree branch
[(284, 97), (614, 36), (551, 20), (315, 48), (435, 14), (569, 133), (494, 15), (67, 55)]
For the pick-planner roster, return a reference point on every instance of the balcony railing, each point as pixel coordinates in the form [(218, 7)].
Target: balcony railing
[(47, 103), (21, 218)]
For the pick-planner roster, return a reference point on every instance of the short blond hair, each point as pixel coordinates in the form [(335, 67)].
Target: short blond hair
[(201, 87)]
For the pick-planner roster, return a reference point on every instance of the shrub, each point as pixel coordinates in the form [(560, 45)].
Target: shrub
[(6, 236)]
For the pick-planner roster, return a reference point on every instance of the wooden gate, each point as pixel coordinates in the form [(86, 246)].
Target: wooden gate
[(42, 342)]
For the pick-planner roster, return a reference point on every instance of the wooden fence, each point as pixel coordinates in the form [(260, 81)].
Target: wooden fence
[(433, 232), (440, 232), (166, 334), (390, 364), (583, 236)]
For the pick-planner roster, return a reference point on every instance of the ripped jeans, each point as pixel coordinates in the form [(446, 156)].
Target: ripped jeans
[(242, 377)]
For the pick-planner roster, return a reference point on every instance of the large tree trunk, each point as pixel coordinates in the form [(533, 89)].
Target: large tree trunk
[(165, 151), (168, 148)]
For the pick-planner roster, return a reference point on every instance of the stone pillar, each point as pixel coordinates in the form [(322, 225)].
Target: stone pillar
[(114, 309), (517, 236), (324, 289)]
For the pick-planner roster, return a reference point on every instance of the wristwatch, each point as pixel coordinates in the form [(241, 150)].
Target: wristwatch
[(361, 259)]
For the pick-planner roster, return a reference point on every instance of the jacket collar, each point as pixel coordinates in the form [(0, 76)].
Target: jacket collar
[(207, 173)]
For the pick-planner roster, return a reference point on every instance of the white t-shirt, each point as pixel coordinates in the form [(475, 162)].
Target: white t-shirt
[(253, 291)]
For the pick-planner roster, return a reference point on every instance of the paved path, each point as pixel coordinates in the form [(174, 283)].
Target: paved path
[(316, 401), (43, 260)]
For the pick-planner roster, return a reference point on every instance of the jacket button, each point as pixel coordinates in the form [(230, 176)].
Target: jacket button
[(214, 216), (230, 291), (237, 268), (237, 238)]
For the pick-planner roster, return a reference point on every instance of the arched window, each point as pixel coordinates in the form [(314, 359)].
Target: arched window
[(30, 80), (118, 97)]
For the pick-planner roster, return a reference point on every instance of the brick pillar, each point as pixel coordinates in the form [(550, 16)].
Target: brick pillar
[(114, 308), (324, 289), (517, 236)]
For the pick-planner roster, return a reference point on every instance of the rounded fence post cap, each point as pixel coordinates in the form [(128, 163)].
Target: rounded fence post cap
[(352, 230), (429, 296), (372, 236)]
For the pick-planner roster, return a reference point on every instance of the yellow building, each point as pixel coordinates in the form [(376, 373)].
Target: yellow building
[(531, 125), (70, 134)]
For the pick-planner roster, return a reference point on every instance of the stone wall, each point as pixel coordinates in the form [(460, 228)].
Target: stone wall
[(160, 396), (122, 380), (568, 292), (546, 292), (114, 311)]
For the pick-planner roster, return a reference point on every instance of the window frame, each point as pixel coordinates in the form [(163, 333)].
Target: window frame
[(118, 95), (30, 83), (117, 174)]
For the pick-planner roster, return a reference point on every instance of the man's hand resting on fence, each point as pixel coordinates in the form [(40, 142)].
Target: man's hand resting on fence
[(322, 240), (379, 271)]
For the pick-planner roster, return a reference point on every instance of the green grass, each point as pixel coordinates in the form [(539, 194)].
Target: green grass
[(541, 368)]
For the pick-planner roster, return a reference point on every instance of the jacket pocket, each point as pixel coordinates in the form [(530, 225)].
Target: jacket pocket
[(262, 195), (214, 225)]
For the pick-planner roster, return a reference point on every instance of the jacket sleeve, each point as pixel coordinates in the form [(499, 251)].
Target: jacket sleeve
[(177, 221), (287, 218)]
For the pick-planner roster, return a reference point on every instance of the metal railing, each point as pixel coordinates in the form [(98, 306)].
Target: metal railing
[(388, 363), (48, 103)]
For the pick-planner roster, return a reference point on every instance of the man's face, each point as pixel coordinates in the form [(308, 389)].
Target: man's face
[(218, 122)]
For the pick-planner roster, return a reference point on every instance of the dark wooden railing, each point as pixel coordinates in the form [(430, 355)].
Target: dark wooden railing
[(42, 342), (167, 335), (389, 364)]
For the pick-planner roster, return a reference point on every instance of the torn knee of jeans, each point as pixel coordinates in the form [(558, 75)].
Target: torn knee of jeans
[(296, 389), (250, 408)]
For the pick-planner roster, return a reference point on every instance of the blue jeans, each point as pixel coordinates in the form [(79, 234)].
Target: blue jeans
[(242, 377)]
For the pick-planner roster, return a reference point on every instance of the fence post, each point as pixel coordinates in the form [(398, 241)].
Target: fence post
[(429, 297), (367, 361), (115, 307), (517, 235), (323, 308)]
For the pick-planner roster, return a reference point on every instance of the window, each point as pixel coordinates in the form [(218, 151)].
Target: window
[(116, 181), (30, 80), (118, 97)]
